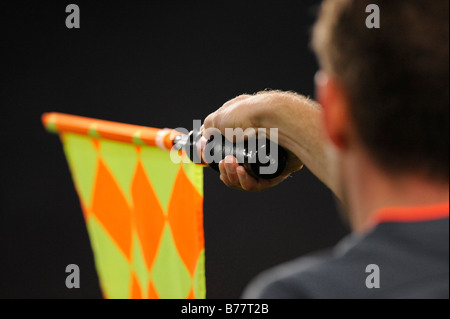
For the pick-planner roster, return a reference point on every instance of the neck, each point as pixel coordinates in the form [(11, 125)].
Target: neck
[(370, 189)]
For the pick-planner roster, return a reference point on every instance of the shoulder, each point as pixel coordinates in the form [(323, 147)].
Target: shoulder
[(411, 263), (286, 281), (313, 276)]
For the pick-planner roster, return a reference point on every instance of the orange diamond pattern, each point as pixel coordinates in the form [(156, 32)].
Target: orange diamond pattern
[(186, 229), (111, 208), (148, 214), (119, 222)]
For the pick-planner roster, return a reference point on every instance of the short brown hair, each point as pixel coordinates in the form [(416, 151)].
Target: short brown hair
[(397, 78)]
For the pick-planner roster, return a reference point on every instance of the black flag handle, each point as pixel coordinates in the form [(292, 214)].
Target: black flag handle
[(261, 158)]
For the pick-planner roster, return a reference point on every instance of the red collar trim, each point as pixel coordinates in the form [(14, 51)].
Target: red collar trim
[(411, 214)]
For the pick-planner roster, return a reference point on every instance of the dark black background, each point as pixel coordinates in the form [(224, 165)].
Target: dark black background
[(160, 64)]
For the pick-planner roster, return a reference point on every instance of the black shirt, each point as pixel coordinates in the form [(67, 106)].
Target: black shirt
[(412, 258)]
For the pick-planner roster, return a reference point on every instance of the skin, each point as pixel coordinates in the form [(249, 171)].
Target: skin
[(322, 136)]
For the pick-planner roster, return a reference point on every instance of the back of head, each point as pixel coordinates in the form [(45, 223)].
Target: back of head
[(396, 77)]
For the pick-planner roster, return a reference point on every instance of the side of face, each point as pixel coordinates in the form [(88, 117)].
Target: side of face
[(340, 130)]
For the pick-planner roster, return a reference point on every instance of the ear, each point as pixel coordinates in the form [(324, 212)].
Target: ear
[(336, 116)]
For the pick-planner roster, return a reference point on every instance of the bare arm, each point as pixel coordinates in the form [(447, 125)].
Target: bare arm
[(299, 123)]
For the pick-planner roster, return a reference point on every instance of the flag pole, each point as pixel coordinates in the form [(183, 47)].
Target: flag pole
[(120, 132)]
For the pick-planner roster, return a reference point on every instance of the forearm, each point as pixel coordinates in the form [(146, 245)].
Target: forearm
[(300, 129)]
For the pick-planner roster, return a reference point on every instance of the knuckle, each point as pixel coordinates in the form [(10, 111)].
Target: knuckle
[(209, 121)]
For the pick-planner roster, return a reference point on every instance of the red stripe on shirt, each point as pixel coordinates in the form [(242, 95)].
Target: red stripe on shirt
[(412, 214)]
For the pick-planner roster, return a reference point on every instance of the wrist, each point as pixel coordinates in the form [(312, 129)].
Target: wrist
[(294, 115)]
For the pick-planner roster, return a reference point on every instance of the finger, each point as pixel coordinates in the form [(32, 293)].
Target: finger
[(223, 174), (246, 181), (209, 121), (225, 179), (231, 164)]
